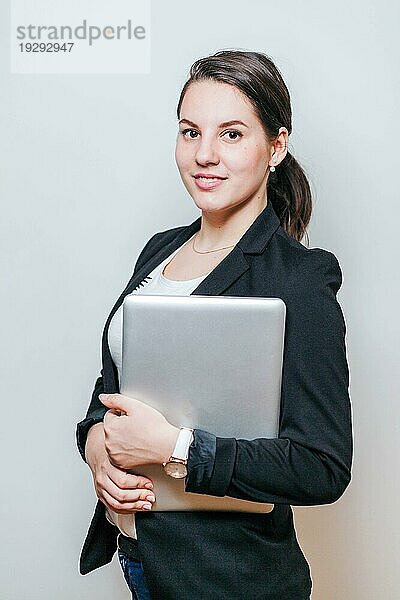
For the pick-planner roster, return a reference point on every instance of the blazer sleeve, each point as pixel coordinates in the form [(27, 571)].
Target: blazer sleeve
[(310, 461), (96, 411)]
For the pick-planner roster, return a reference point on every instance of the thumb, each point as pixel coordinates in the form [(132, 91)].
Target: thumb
[(117, 402)]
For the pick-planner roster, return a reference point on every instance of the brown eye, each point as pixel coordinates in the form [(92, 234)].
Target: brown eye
[(235, 132), (186, 131)]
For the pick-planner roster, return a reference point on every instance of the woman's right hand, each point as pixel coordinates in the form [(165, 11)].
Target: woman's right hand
[(120, 491)]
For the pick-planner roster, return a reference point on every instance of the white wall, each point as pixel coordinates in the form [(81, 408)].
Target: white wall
[(88, 174)]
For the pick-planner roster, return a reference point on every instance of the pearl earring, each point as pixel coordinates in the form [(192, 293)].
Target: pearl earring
[(272, 169)]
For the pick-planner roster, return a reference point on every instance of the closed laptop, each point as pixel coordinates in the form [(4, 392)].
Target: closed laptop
[(206, 362)]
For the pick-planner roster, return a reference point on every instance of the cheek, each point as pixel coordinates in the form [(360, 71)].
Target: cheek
[(182, 155), (242, 163), (253, 162)]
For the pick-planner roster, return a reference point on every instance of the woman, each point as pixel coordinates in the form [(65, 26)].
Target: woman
[(232, 154)]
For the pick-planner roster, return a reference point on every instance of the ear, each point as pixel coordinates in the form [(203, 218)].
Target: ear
[(280, 146)]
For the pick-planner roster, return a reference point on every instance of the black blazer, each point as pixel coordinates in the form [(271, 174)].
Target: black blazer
[(189, 555)]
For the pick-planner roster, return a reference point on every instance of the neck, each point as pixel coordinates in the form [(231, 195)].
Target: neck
[(225, 227)]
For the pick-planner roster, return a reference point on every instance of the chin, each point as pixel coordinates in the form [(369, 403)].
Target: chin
[(208, 202), (211, 204)]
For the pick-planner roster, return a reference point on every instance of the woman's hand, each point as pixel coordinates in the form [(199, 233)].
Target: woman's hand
[(119, 491), (139, 436)]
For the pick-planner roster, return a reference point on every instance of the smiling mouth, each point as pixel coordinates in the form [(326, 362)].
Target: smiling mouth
[(208, 183), (208, 178)]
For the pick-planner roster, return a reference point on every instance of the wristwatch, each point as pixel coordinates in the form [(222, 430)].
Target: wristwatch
[(176, 464)]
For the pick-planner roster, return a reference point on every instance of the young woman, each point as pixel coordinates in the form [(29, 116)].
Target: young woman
[(232, 153)]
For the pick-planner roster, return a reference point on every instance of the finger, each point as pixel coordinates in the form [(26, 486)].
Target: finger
[(109, 419), (124, 497), (127, 496), (117, 402), (125, 508), (128, 481)]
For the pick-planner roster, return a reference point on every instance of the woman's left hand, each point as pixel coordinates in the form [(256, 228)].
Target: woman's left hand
[(141, 435)]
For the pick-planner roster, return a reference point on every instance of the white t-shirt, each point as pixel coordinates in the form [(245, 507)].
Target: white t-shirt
[(154, 283)]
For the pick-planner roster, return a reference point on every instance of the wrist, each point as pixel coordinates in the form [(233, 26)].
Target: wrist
[(168, 446), (94, 441), (176, 465)]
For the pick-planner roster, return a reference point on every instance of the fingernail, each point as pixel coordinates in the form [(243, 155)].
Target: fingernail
[(151, 498), (149, 485), (147, 506)]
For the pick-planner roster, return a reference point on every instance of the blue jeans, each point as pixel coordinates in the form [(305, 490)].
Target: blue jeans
[(134, 576)]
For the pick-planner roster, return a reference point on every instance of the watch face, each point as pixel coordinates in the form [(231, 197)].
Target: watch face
[(176, 470)]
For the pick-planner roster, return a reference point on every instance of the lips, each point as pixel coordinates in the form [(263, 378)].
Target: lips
[(208, 176), (208, 183)]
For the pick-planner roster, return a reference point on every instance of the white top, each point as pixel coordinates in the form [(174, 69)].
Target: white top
[(154, 283)]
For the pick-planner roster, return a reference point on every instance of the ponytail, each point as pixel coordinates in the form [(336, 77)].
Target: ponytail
[(289, 191)]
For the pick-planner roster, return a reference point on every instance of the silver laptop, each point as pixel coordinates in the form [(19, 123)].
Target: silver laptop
[(206, 362)]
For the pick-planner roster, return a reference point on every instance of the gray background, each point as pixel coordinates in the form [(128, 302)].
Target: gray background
[(88, 175)]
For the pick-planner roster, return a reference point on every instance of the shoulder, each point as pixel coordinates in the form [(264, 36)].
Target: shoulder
[(312, 279), (167, 235), (161, 238), (308, 264), (155, 243)]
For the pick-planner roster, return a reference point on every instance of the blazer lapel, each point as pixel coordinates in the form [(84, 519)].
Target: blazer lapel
[(254, 241), (223, 275), (165, 251)]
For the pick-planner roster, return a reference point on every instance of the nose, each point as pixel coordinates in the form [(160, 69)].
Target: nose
[(207, 151)]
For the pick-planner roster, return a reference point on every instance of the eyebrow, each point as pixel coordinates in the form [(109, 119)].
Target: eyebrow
[(221, 125)]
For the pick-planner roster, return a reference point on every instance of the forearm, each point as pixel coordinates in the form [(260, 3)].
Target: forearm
[(274, 471), (95, 414), (287, 473), (265, 470), (95, 442)]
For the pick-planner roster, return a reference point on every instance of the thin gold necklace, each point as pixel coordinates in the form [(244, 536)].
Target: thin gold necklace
[(208, 251)]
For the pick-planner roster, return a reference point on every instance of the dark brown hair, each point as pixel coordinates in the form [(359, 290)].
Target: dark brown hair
[(258, 78)]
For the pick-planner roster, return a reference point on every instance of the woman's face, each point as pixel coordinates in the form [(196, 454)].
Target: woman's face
[(208, 144)]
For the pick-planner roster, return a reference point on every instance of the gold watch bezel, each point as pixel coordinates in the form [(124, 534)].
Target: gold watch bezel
[(175, 461)]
